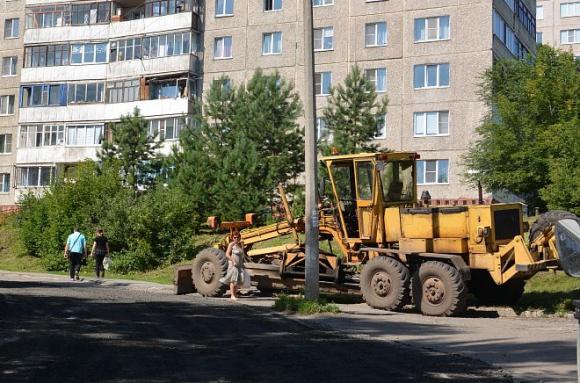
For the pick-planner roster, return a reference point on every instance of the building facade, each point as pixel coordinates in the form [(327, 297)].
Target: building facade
[(81, 65), (559, 24), (425, 56), (86, 64), (11, 17)]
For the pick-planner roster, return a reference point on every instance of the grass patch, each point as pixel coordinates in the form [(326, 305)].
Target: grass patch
[(552, 292), (297, 304)]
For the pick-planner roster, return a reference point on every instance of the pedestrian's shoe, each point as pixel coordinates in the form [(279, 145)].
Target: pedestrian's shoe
[(77, 277)]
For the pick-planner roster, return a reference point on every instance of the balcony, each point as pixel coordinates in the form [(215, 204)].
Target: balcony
[(64, 73)]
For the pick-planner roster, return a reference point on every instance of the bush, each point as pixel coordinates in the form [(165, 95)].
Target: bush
[(145, 230)]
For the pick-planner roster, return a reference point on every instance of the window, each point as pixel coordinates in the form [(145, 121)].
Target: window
[(507, 36), (224, 82), (167, 128), (432, 172), (381, 128), (35, 176), (272, 43), (570, 36), (123, 91), (375, 34), (272, 5), (322, 131), (6, 105), (88, 53), (9, 66), (323, 38), (378, 77), (35, 136), (48, 16), (123, 50), (431, 76), (526, 18), (11, 28), (431, 123), (5, 143), (322, 83), (172, 44), (43, 56), (84, 135), (539, 12), (570, 9), (90, 13), (43, 95), (511, 4), (322, 3), (5, 178), (539, 37), (432, 29), (86, 93), (168, 88), (224, 8), (165, 7), (222, 48)]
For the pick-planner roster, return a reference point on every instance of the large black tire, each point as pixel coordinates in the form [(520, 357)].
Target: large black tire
[(548, 219), (488, 293), (439, 289), (385, 283), (208, 267)]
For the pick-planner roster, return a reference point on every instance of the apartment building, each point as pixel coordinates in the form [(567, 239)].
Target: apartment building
[(11, 17), (425, 56), (86, 64), (559, 24)]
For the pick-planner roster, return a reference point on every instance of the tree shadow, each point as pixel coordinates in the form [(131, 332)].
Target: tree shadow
[(111, 335)]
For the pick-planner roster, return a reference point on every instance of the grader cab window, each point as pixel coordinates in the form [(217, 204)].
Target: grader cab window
[(364, 176), (397, 180), (343, 177)]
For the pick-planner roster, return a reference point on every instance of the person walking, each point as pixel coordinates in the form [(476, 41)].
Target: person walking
[(75, 249), (100, 250), (236, 273)]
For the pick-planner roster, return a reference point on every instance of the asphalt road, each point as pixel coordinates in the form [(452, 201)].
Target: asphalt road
[(54, 330)]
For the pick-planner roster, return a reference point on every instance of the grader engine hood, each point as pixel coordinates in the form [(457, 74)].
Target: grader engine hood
[(568, 245)]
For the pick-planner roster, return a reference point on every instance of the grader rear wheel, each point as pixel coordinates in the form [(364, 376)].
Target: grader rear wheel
[(385, 283), (208, 267), (439, 290)]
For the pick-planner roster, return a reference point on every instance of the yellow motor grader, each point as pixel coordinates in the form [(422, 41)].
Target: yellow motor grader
[(396, 250)]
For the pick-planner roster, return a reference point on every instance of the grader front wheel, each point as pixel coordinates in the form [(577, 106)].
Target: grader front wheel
[(208, 267), (439, 290), (385, 283)]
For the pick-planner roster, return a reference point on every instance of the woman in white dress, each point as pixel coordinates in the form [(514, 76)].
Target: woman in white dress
[(236, 273)]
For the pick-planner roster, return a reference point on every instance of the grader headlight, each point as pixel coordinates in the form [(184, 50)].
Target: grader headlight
[(483, 232)]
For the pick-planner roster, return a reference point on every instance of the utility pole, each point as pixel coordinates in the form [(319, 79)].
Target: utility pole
[(310, 151)]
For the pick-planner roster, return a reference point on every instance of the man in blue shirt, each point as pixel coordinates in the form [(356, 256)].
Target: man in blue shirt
[(75, 249)]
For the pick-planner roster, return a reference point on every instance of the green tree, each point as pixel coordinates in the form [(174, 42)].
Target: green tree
[(353, 114), (526, 142), (240, 146), (134, 148)]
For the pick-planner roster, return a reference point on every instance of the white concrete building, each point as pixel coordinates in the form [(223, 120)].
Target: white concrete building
[(88, 63), (559, 24)]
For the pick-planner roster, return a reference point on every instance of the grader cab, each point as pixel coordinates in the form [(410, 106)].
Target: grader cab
[(381, 241)]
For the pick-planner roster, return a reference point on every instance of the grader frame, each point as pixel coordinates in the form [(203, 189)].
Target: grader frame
[(391, 248)]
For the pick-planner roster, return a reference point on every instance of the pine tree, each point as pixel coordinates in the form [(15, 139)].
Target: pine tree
[(353, 114), (243, 143), (134, 149)]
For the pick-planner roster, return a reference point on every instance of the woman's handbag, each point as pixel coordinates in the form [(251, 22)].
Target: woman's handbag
[(107, 262)]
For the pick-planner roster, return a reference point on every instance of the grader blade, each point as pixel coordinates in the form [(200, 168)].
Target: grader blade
[(568, 245)]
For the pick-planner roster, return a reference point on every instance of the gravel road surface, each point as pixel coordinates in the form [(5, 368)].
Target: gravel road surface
[(55, 330)]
